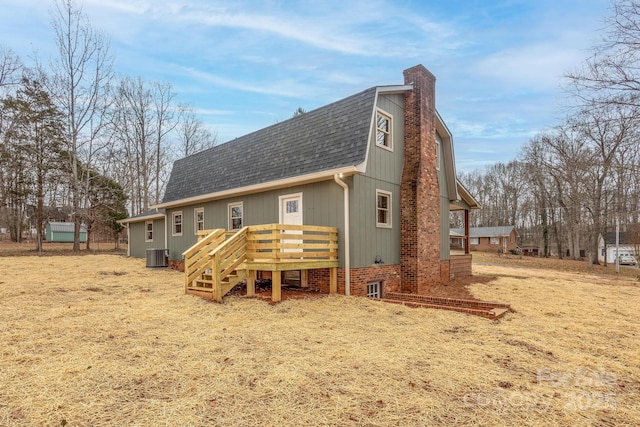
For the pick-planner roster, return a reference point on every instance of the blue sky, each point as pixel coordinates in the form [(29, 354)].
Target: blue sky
[(245, 65)]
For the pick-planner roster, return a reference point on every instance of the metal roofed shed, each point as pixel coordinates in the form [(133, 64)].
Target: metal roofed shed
[(63, 232)]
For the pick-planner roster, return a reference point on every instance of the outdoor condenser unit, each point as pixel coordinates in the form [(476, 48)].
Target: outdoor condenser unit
[(157, 258)]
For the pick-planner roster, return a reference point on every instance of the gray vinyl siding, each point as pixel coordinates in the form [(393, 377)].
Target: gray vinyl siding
[(367, 240), (138, 247), (444, 204), (384, 172), (322, 204)]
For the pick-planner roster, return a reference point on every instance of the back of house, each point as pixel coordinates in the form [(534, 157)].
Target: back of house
[(377, 165)]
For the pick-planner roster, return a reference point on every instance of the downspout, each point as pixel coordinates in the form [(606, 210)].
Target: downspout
[(347, 262), (128, 241)]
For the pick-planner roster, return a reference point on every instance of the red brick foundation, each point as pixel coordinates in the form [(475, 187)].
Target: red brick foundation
[(389, 275), (176, 265)]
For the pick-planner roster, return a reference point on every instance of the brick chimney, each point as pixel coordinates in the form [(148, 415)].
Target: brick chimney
[(420, 193)]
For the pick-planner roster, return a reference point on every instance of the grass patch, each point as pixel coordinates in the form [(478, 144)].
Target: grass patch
[(84, 348)]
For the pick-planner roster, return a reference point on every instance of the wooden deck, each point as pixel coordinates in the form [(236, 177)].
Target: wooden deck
[(218, 261)]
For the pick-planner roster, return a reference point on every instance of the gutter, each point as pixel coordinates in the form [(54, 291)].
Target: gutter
[(347, 261)]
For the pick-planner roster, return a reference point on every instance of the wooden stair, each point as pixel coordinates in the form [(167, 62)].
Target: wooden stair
[(203, 286), (486, 309)]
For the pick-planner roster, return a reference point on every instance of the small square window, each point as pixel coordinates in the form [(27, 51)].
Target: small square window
[(383, 209), (383, 131), (235, 216), (148, 233), (198, 220), (374, 290), (494, 240), (474, 241), (177, 224)]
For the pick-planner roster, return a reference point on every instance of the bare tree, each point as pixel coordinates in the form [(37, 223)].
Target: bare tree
[(143, 120), (10, 67), (80, 76), (612, 73), (193, 136), (607, 129)]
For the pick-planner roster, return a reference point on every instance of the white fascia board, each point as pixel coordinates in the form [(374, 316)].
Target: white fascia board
[(142, 218), (257, 188), (393, 89), (449, 157)]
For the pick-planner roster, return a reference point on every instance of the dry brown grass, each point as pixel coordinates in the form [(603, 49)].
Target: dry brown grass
[(99, 340)]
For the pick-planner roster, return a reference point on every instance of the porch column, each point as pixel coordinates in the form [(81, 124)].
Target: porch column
[(466, 231)]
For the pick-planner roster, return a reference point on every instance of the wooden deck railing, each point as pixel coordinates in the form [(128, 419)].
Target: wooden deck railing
[(272, 247), (285, 243), (197, 259)]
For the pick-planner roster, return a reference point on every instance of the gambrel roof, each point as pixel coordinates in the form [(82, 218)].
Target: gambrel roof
[(329, 138)]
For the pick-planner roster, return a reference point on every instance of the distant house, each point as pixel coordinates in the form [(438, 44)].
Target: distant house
[(374, 172), (63, 232), (628, 244), (488, 239)]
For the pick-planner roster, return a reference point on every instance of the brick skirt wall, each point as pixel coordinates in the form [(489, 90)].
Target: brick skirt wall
[(389, 275), (460, 266)]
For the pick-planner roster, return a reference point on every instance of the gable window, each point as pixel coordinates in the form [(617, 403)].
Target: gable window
[(383, 130), (383, 209), (438, 153), (198, 220), (235, 216), (176, 223), (148, 231)]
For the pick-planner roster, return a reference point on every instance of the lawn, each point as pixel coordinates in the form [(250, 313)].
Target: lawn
[(99, 340)]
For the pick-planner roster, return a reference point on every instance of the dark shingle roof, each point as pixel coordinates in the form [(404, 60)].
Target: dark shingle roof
[(626, 237), (330, 137)]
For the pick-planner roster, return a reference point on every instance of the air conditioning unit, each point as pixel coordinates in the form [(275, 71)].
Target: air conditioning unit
[(157, 258)]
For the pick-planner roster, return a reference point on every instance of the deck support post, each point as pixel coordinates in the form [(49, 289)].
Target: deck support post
[(276, 286), (333, 280), (217, 285), (304, 278), (251, 283)]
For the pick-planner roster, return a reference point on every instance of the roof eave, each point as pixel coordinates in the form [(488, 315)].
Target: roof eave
[(141, 218), (271, 185)]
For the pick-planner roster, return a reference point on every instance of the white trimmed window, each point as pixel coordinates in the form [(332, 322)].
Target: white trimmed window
[(198, 220), (383, 209), (176, 223), (383, 130), (148, 231), (474, 241), (494, 240), (438, 153), (235, 216)]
